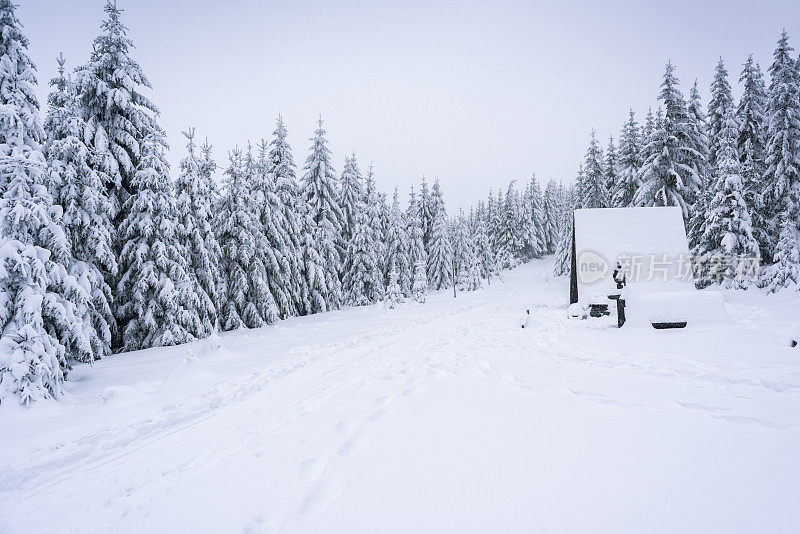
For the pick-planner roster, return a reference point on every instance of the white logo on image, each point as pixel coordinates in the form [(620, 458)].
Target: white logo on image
[(591, 267)]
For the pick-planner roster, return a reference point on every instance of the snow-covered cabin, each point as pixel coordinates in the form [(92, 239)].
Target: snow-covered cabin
[(649, 245)]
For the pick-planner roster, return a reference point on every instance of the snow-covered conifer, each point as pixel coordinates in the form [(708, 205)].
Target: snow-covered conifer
[(419, 289), (593, 190), (158, 301), (195, 235), (440, 253), (247, 300), (728, 229), (550, 219), (397, 247), (40, 302), (629, 163), (668, 176), (322, 196), (718, 107), (80, 192), (118, 116), (782, 160), (351, 194), (394, 295)]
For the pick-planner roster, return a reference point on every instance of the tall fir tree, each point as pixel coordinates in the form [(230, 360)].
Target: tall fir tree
[(40, 301), (158, 301), (322, 195), (629, 162), (782, 157), (698, 134), (397, 247), (80, 193), (594, 181), (275, 251), (247, 300), (352, 193), (416, 245), (719, 106), (751, 145), (302, 263), (195, 234), (550, 220), (782, 175), (728, 232), (668, 176), (564, 247), (440, 250), (118, 116)]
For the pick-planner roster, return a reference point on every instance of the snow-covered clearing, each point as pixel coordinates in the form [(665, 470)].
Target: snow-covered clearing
[(429, 418)]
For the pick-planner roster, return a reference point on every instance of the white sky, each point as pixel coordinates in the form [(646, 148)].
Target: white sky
[(476, 93)]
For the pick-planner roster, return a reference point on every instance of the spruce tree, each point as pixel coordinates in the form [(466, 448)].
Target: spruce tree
[(699, 140), (416, 246), (40, 301), (550, 219), (782, 160), (275, 250), (425, 213), (118, 116), (668, 175), (440, 251), (352, 193), (629, 163), (158, 301), (593, 188), (483, 248), (564, 248), (751, 145), (247, 299), (322, 195), (397, 247), (301, 263), (728, 232), (465, 259), (719, 106), (195, 235), (80, 193)]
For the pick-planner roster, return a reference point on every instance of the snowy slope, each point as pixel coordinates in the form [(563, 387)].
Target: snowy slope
[(429, 418)]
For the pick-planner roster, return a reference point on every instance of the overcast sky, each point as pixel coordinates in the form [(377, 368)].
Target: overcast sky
[(476, 93)]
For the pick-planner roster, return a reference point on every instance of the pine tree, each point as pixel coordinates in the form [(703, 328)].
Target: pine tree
[(440, 252), (483, 249), (627, 180), (531, 221), (397, 247), (352, 193), (668, 175), (158, 298), (649, 126), (594, 180), (322, 196), (785, 272), (699, 140), (425, 213), (247, 299), (416, 247), (78, 189), (377, 213), (301, 263), (751, 114), (781, 177), (550, 220), (363, 281), (118, 116), (564, 248), (718, 107), (465, 259), (508, 237), (40, 301), (728, 230), (195, 236), (275, 249)]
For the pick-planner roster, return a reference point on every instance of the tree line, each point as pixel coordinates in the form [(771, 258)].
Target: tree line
[(102, 251), (732, 169)]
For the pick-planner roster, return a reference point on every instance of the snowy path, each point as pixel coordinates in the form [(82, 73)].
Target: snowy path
[(442, 417)]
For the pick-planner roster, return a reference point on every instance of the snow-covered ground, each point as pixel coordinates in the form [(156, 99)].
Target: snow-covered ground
[(443, 417)]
